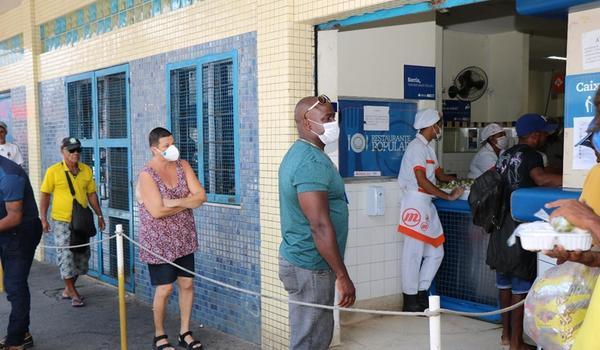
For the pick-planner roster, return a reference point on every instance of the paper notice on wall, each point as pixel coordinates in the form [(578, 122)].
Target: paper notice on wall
[(590, 49), (377, 118), (584, 157)]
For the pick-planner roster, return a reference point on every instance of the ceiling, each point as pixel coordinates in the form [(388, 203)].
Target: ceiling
[(548, 36), (6, 5)]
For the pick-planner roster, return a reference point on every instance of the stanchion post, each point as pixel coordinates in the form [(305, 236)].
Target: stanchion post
[(1, 279), (435, 329), (121, 279)]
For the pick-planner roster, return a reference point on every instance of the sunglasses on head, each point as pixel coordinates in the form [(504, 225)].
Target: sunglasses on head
[(321, 99), (74, 150)]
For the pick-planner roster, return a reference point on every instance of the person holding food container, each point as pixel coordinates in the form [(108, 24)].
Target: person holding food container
[(585, 214), (419, 222)]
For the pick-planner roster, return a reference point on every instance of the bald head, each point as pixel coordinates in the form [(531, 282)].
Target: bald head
[(310, 122), (302, 106)]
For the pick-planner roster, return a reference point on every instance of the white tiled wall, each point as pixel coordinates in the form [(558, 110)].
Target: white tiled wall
[(374, 245)]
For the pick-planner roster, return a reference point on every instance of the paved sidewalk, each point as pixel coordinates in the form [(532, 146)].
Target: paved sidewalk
[(57, 325)]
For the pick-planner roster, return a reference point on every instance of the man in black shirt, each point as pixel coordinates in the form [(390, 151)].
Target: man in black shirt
[(521, 166)]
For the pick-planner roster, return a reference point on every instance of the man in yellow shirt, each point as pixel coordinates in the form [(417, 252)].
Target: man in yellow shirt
[(55, 184), (585, 214)]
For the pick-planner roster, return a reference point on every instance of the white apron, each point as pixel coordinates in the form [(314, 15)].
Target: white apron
[(419, 218)]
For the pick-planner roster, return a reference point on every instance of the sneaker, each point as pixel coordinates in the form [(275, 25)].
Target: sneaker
[(27, 343)]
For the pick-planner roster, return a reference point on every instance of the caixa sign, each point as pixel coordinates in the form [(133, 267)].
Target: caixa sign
[(579, 96)]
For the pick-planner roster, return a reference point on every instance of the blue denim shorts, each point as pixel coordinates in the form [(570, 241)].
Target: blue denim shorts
[(516, 284)]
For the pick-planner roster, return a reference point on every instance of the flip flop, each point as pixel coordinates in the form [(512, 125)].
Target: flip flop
[(67, 297), (76, 302)]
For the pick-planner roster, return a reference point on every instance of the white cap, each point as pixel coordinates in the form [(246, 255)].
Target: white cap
[(490, 130), (425, 118)]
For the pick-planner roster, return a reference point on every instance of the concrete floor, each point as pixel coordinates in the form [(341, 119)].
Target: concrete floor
[(412, 333), (57, 325)]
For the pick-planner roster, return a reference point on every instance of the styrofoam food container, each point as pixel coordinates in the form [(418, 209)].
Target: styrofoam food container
[(575, 240), (541, 236), (538, 240)]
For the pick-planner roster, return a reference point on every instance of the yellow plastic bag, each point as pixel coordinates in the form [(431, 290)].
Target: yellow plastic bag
[(556, 305)]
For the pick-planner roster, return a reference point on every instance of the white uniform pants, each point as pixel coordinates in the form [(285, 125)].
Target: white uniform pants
[(420, 263)]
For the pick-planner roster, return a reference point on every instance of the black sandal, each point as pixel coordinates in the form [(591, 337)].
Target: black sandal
[(189, 346), (161, 347)]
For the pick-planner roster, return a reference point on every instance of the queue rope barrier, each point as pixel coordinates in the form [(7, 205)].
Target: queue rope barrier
[(433, 313), (78, 245), (427, 313)]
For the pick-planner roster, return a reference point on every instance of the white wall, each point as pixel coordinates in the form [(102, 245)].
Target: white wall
[(539, 83), (500, 56), (374, 246), (508, 76), (371, 61), (461, 50)]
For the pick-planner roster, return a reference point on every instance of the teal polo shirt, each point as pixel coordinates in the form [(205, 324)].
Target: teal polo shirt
[(306, 168)]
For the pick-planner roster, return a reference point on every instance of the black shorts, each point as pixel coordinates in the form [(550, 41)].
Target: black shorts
[(166, 273)]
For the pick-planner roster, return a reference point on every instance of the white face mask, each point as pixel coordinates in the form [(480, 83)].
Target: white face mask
[(438, 133), (502, 142), (331, 132), (171, 153)]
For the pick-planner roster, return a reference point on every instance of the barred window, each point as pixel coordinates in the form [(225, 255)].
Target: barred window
[(211, 149), (184, 116), (80, 108)]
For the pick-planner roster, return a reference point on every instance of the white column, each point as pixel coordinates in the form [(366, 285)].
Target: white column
[(327, 75)]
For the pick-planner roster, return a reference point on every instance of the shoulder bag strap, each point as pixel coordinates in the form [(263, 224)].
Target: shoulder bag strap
[(70, 184)]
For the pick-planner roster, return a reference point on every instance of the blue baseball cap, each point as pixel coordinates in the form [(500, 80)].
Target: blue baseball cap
[(532, 122)]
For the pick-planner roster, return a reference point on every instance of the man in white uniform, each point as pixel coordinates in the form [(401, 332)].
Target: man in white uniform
[(419, 222), (494, 141), (7, 149)]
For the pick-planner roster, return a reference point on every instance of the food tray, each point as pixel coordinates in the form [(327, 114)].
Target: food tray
[(540, 235)]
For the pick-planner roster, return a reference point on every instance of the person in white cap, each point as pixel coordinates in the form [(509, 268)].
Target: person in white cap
[(419, 222), (7, 149), (493, 142)]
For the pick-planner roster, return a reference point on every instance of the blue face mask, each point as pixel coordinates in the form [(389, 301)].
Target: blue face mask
[(596, 140)]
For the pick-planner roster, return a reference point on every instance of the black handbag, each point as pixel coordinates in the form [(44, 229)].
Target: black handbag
[(82, 224)]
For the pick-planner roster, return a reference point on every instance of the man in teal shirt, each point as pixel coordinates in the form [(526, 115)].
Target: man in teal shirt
[(314, 226)]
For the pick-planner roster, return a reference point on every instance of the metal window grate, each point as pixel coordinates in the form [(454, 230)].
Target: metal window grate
[(218, 128), (114, 170), (112, 106), (80, 108), (184, 116), (464, 274), (87, 157)]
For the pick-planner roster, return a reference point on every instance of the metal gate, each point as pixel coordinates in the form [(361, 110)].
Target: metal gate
[(98, 106)]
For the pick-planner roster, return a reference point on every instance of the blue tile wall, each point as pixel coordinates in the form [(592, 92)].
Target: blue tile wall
[(19, 122), (229, 237), (53, 127)]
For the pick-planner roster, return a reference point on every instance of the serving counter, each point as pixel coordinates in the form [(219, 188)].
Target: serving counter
[(464, 281)]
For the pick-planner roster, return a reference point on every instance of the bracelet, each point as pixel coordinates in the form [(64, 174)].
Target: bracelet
[(100, 217)]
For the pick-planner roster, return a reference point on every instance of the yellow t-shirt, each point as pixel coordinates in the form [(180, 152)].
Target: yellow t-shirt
[(55, 183), (586, 338)]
